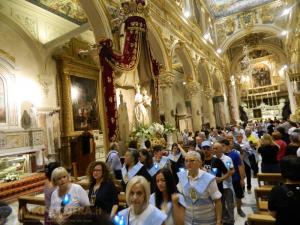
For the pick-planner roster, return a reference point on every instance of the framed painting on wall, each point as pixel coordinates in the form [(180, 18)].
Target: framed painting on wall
[(85, 105)]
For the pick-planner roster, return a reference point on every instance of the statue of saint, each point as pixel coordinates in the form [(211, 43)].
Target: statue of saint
[(147, 103), (141, 114)]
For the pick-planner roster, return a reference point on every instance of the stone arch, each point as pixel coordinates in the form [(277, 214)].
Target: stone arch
[(269, 47), (203, 74), (158, 48), (26, 36), (244, 32), (216, 85), (7, 78), (180, 49), (98, 18)]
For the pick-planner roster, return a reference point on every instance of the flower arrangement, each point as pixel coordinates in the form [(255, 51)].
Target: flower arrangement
[(169, 128), (155, 130), (142, 131), (11, 177)]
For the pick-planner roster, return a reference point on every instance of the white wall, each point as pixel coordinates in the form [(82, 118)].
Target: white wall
[(27, 84)]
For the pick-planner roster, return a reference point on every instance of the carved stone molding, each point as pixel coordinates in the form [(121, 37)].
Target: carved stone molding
[(192, 88), (166, 79)]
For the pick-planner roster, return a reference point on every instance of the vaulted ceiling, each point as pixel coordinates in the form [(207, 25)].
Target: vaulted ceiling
[(222, 8)]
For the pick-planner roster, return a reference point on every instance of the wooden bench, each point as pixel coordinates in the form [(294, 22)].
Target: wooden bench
[(273, 178), (36, 213), (261, 196), (119, 186), (122, 200), (260, 219)]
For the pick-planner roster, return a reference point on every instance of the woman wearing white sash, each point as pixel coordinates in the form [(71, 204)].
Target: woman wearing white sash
[(176, 158), (132, 167), (159, 159), (167, 198), (147, 160), (139, 212), (201, 194)]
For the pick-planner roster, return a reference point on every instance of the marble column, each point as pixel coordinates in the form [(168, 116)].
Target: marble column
[(219, 107), (166, 81), (233, 100), (208, 93), (193, 90)]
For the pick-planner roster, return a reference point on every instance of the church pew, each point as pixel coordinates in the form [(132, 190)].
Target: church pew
[(271, 178), (119, 186), (261, 196), (122, 200), (36, 213), (260, 219)]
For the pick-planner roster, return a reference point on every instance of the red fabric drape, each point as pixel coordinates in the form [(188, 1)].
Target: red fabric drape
[(111, 61)]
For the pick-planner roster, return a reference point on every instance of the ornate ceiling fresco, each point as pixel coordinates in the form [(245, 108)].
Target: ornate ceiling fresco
[(68, 9), (222, 8)]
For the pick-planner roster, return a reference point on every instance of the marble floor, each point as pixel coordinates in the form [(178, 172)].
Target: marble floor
[(248, 205)]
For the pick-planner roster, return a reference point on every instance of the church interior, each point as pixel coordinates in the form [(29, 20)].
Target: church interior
[(79, 75)]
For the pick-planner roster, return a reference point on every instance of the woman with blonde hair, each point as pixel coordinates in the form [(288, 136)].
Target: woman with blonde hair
[(67, 198), (269, 150), (102, 191), (139, 210)]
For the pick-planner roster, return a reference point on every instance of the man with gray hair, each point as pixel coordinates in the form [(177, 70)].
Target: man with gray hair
[(200, 190)]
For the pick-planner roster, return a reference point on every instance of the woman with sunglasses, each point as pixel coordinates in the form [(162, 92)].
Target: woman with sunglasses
[(167, 198), (67, 198)]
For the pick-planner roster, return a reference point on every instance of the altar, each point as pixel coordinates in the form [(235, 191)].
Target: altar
[(264, 111)]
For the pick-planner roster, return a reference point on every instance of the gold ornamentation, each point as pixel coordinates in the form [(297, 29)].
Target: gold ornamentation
[(193, 194)]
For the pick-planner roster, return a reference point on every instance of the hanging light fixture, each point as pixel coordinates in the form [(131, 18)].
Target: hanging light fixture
[(247, 67)]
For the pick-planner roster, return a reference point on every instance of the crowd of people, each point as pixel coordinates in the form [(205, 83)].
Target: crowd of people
[(198, 182)]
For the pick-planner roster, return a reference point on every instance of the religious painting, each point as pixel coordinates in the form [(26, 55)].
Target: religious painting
[(84, 103), (261, 75), (68, 9), (2, 103), (222, 8)]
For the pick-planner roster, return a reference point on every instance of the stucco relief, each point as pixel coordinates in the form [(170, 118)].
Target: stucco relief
[(28, 23)]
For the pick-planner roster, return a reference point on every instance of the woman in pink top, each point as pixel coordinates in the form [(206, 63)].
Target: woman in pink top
[(282, 145)]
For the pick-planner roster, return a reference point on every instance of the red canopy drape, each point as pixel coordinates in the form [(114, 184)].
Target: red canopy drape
[(112, 61)]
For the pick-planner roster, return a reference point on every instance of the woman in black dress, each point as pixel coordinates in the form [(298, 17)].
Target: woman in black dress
[(102, 191)]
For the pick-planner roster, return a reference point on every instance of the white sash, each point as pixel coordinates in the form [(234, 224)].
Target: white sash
[(127, 175)]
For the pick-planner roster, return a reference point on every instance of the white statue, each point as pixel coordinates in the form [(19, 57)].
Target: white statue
[(141, 114), (147, 103)]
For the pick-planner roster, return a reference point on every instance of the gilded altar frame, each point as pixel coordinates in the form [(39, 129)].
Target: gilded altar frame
[(72, 64)]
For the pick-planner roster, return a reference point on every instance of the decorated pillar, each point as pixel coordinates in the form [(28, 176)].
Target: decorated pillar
[(219, 108), (208, 93), (166, 81), (233, 100), (193, 90)]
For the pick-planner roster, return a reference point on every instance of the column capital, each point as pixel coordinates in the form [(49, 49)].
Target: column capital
[(193, 87), (166, 79), (208, 91)]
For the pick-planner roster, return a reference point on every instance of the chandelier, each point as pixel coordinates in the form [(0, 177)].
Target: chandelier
[(246, 66)]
